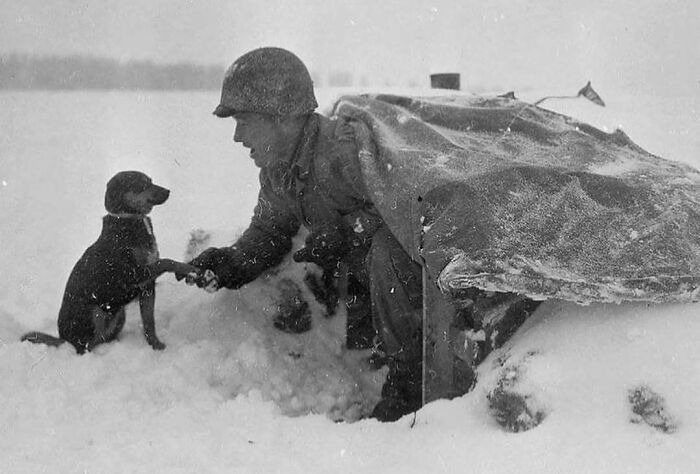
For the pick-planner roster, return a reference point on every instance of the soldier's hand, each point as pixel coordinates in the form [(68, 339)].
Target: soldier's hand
[(182, 270), (206, 280), (208, 259), (323, 247)]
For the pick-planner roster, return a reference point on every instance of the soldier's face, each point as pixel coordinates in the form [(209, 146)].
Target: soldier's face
[(265, 136)]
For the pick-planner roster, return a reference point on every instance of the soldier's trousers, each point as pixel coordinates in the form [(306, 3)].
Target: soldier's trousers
[(396, 292)]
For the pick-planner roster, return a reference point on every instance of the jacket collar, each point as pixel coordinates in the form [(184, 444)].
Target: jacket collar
[(306, 149), (283, 176)]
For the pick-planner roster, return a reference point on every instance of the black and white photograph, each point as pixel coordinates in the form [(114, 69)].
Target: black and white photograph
[(323, 236)]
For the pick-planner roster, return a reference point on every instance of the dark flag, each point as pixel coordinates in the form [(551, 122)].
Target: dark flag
[(591, 95), (586, 92)]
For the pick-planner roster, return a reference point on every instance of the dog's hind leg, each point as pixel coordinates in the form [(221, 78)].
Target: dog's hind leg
[(115, 325), (106, 326)]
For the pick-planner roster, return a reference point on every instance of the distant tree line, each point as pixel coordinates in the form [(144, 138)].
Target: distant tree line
[(85, 72)]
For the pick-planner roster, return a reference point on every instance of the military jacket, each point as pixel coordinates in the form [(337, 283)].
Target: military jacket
[(322, 188)]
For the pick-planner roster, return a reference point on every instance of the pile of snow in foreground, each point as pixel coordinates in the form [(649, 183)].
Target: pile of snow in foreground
[(226, 394)]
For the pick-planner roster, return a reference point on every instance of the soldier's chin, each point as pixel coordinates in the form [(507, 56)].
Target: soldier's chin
[(261, 161)]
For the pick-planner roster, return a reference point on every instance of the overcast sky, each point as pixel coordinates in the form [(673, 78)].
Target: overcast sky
[(644, 45)]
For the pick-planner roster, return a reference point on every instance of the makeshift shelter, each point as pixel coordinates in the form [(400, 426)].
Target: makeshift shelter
[(499, 195)]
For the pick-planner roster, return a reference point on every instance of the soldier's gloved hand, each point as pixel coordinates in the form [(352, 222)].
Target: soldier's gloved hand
[(209, 259), (206, 280), (324, 247), (209, 263)]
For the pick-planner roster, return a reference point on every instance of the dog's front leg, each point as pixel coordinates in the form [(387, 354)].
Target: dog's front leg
[(147, 304)]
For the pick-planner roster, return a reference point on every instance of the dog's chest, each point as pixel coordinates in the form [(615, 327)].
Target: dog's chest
[(147, 255), (143, 243), (147, 252), (152, 254)]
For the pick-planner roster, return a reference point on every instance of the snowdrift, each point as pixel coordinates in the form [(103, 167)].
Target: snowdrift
[(505, 196)]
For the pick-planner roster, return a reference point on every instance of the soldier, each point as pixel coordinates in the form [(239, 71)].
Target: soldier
[(310, 176)]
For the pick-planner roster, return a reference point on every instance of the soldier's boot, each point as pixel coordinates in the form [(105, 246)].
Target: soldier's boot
[(402, 391)]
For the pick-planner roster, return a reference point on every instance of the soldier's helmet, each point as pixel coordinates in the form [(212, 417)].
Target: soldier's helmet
[(267, 80)]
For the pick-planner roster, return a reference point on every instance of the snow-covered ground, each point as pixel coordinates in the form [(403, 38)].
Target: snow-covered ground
[(232, 394)]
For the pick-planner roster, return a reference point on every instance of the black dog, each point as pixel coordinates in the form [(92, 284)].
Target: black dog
[(120, 266)]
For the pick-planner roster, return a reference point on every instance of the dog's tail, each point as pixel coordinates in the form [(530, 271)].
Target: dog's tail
[(42, 338)]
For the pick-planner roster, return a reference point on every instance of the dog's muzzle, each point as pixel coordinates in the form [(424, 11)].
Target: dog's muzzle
[(159, 194)]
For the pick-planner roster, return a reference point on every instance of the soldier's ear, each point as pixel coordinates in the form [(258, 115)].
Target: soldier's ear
[(291, 121)]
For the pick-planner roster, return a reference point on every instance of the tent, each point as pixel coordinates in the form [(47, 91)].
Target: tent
[(505, 196)]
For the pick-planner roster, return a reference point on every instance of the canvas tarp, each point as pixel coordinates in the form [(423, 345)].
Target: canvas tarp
[(501, 195)]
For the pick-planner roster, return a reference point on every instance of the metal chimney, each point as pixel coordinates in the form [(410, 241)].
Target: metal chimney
[(445, 80)]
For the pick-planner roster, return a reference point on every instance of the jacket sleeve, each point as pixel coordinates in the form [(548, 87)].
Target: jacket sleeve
[(349, 134), (266, 241), (352, 136)]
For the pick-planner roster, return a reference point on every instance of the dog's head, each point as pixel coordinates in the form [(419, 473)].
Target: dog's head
[(133, 192)]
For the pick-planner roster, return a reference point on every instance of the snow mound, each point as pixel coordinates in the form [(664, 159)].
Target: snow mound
[(303, 373), (603, 364)]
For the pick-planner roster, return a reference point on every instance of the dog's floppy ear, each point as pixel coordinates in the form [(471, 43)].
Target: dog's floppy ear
[(113, 194), (119, 184)]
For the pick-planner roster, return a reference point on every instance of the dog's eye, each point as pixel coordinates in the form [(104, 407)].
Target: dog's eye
[(144, 186)]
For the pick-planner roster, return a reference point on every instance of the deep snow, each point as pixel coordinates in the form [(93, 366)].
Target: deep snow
[(232, 394)]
